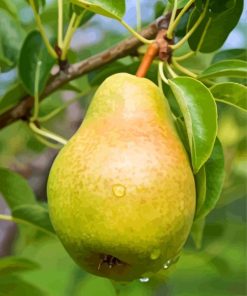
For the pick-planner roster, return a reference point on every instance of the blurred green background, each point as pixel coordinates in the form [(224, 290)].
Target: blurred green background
[(218, 268)]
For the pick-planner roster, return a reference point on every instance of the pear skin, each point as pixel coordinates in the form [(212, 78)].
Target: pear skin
[(121, 193)]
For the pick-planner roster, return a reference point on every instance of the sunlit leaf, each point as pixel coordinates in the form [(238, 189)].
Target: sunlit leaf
[(230, 68), (234, 94), (199, 110), (229, 54), (107, 8)]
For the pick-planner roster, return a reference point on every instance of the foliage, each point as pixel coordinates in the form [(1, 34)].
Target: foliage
[(202, 82)]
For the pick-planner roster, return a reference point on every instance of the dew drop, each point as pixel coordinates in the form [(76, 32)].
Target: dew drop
[(167, 264), (118, 190), (155, 254), (144, 280)]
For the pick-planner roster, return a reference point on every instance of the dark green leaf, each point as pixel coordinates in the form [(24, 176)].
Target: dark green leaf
[(181, 129), (11, 36), (200, 115), (214, 180), (197, 232), (234, 94), (16, 264), (159, 8), (107, 8), (200, 179), (16, 286), (15, 189), (35, 215), (12, 96), (220, 20), (231, 68), (33, 51), (229, 54)]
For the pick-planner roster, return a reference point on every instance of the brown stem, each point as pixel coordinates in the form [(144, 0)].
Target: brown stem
[(147, 60), (159, 47), (122, 49)]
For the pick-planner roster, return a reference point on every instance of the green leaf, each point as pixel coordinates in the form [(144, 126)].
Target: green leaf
[(231, 93), (11, 97), (13, 264), (11, 36), (107, 8), (33, 51), (200, 180), (215, 174), (9, 7), (39, 4), (197, 232), (16, 286), (86, 14), (229, 54), (15, 189), (35, 215), (221, 18), (200, 115), (231, 68)]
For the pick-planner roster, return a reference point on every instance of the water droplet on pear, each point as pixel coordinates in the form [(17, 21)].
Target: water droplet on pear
[(155, 254), (144, 280), (118, 190), (167, 264)]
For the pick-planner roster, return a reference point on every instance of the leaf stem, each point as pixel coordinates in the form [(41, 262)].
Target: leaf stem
[(170, 28), (47, 134), (138, 15), (36, 92), (203, 35), (60, 23), (161, 72), (132, 31), (185, 56), (24, 222), (183, 69), (191, 31), (73, 25), (174, 24), (47, 143), (42, 31), (170, 70)]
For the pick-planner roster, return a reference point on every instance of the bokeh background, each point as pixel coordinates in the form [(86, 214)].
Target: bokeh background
[(217, 268)]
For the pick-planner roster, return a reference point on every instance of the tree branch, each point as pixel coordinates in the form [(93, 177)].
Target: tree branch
[(124, 48)]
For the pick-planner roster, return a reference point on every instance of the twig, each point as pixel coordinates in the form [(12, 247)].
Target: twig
[(124, 48)]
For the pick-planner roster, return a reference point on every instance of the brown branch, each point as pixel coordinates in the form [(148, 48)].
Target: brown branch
[(124, 48)]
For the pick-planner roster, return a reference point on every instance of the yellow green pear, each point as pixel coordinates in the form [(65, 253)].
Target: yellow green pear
[(121, 193)]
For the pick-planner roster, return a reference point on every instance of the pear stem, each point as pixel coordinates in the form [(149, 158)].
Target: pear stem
[(147, 60)]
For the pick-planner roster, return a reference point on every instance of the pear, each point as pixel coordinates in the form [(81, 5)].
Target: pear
[(121, 192)]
